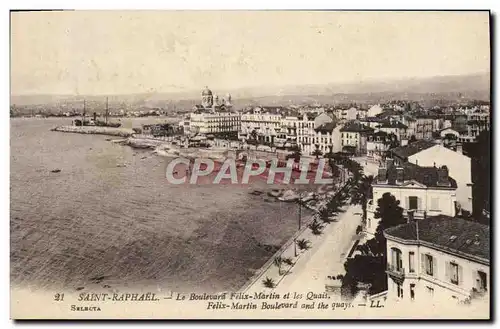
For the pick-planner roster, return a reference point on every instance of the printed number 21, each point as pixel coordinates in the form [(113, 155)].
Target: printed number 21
[(59, 297)]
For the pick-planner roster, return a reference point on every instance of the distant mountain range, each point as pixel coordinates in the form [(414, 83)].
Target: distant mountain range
[(463, 87)]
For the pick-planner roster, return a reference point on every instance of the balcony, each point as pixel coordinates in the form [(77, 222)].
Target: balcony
[(396, 273)]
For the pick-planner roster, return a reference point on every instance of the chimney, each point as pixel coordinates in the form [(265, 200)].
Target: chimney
[(382, 175), (389, 162), (443, 175), (399, 175)]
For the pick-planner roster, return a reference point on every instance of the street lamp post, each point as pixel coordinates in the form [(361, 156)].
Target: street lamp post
[(300, 222)]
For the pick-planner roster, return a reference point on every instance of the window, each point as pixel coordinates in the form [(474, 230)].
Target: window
[(482, 283), (430, 290), (412, 291), (396, 260), (412, 202), (429, 264), (400, 290), (454, 273), (411, 260)]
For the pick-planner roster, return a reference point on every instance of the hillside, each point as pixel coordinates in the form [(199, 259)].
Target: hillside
[(446, 88)]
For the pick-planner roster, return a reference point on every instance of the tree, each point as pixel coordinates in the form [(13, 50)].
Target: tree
[(324, 215), (317, 152), (268, 283), (389, 212), (412, 139), (278, 261), (288, 261), (362, 193), (296, 155), (303, 244), (316, 227)]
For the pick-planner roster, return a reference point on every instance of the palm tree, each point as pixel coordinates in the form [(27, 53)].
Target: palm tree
[(288, 261), (303, 244), (316, 227), (362, 192), (278, 261), (296, 155), (268, 283), (317, 152), (324, 215)]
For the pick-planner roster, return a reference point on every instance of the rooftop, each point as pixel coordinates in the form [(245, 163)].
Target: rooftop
[(412, 148), (326, 127), (427, 176), (394, 124), (449, 233), (354, 126)]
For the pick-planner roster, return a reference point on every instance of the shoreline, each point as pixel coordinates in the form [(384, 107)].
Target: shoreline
[(95, 130), (166, 149)]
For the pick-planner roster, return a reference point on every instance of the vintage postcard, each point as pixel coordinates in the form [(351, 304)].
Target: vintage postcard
[(250, 165)]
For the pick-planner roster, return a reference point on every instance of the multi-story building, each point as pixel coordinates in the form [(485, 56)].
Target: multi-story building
[(459, 166), (372, 122), (326, 137), (402, 153), (394, 127), (346, 114), (438, 260), (215, 123), (377, 145), (421, 191), (306, 133), (424, 126), (261, 124), (214, 116), (354, 136)]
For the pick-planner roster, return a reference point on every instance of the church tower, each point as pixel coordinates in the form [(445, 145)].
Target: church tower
[(207, 99)]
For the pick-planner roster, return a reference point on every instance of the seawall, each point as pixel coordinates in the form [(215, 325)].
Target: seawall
[(96, 130)]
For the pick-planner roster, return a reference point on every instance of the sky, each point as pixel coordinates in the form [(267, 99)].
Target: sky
[(125, 52)]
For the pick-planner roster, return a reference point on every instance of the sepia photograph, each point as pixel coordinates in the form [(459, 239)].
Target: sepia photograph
[(232, 164)]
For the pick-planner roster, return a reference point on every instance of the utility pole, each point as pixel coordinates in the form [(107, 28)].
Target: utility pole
[(107, 111), (83, 114), (300, 221)]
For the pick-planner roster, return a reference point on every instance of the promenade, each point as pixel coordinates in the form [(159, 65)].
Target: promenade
[(326, 256), (311, 267)]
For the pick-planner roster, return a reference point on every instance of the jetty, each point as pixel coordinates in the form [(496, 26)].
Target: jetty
[(96, 130)]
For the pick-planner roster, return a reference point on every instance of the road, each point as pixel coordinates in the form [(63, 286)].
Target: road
[(327, 256), (370, 167)]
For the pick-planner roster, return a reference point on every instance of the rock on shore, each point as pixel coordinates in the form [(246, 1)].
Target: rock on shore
[(96, 130)]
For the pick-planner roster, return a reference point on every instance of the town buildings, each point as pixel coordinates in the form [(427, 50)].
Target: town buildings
[(214, 116), (377, 145), (424, 126), (438, 260), (354, 136), (262, 125), (430, 154), (421, 191)]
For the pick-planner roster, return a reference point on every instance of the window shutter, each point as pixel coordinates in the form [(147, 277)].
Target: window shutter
[(434, 267), (447, 267), (419, 203), (460, 275), (422, 263), (407, 202)]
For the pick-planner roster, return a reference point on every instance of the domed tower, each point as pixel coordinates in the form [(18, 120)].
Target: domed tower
[(207, 99)]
